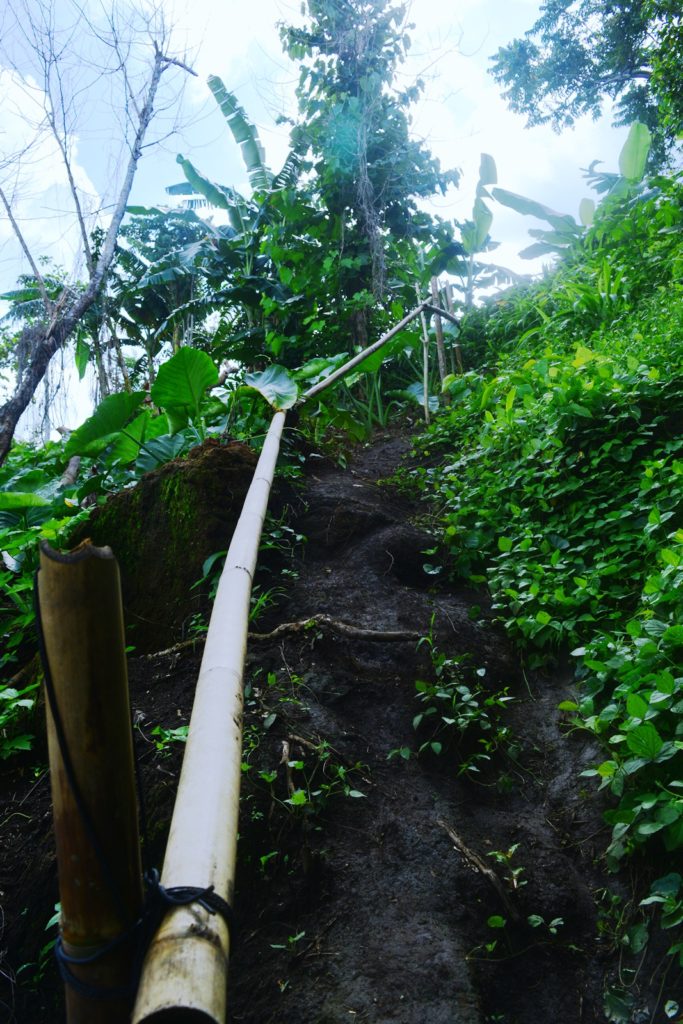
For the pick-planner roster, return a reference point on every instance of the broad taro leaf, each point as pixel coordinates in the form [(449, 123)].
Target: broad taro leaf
[(372, 363), (182, 381), (319, 367), (159, 450), (275, 384), (22, 499), (144, 427), (26, 480), (104, 425), (415, 393)]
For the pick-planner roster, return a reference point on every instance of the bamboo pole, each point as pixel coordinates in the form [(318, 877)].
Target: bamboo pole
[(447, 303), (425, 360), (98, 856), (440, 347), (355, 360), (185, 971), (451, 310)]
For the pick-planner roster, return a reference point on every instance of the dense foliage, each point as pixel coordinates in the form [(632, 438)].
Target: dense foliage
[(559, 473)]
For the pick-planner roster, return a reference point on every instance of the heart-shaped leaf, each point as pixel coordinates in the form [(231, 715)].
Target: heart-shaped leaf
[(275, 384), (105, 423), (182, 381)]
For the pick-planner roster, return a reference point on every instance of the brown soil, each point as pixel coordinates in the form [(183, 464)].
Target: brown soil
[(373, 908)]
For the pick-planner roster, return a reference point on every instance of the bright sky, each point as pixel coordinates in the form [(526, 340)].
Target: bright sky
[(460, 115)]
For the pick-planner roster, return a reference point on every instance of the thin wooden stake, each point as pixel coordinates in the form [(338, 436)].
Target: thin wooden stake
[(99, 882), (185, 970), (425, 360), (451, 310), (440, 347)]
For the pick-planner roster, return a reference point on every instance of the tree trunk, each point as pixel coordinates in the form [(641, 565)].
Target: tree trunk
[(11, 411)]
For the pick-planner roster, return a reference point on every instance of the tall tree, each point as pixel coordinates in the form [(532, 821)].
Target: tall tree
[(580, 52), (61, 53), (369, 170)]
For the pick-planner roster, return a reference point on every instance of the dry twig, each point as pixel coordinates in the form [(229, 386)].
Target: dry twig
[(482, 867)]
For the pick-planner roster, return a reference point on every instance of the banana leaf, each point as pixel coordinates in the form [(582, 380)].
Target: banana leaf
[(244, 133)]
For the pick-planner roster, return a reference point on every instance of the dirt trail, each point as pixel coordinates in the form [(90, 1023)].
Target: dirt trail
[(371, 908), (392, 917)]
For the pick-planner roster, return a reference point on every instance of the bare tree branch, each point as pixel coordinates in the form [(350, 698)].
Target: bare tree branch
[(27, 253), (51, 52)]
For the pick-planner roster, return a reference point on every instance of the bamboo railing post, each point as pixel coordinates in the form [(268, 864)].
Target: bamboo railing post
[(185, 971), (98, 857), (425, 360), (451, 310), (440, 348)]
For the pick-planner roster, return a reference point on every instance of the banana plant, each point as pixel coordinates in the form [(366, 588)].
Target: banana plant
[(564, 229), (245, 215), (460, 258), (238, 273)]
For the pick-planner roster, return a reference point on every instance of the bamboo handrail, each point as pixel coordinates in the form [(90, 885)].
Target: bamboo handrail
[(360, 356), (185, 970), (440, 347), (424, 307)]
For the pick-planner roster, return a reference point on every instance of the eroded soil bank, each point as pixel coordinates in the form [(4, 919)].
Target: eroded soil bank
[(375, 885)]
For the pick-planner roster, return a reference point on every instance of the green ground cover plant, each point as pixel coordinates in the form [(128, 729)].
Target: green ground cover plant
[(557, 471)]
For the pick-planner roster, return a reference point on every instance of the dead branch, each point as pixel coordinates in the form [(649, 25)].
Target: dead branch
[(483, 868), (27, 253), (26, 675), (70, 474), (343, 628)]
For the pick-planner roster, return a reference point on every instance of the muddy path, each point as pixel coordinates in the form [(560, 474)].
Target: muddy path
[(462, 886)]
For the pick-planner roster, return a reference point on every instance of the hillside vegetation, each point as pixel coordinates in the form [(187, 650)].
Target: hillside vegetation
[(557, 472)]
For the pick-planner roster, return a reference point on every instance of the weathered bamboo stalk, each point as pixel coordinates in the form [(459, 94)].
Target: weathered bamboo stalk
[(185, 970), (425, 360), (440, 347), (451, 310), (360, 356), (98, 856), (438, 311)]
